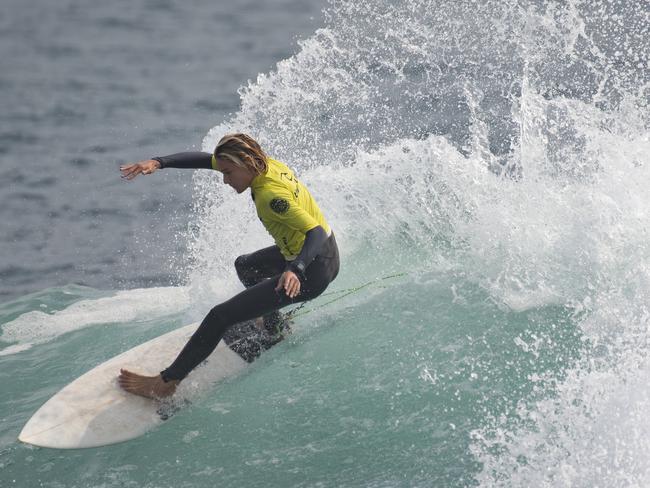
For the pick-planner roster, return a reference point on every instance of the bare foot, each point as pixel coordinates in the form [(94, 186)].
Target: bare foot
[(146, 386)]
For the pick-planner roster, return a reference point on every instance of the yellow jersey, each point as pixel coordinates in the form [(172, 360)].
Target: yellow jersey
[(286, 208)]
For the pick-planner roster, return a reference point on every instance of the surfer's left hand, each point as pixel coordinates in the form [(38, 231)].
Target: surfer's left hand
[(290, 283)]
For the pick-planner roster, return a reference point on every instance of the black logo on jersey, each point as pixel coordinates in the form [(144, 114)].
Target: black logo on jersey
[(279, 205)]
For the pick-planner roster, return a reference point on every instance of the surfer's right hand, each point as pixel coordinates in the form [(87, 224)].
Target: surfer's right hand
[(130, 171)]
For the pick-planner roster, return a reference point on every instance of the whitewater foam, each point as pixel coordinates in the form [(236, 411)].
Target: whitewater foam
[(505, 144), (125, 307)]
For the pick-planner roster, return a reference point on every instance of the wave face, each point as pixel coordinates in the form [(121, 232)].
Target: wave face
[(484, 165), (500, 147)]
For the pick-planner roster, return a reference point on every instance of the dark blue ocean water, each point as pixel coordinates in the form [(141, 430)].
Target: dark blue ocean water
[(86, 86)]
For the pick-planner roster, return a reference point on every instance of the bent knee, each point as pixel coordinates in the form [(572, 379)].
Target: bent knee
[(242, 267), (240, 263), (215, 315)]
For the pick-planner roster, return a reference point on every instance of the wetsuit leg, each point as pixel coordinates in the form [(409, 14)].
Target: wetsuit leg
[(250, 303), (253, 302), (257, 266), (265, 263)]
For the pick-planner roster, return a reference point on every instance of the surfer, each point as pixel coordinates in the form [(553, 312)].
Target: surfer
[(299, 267)]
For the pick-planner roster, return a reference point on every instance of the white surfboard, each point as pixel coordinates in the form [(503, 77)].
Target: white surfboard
[(94, 411)]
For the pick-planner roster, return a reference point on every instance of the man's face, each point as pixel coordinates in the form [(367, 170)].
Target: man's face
[(236, 176)]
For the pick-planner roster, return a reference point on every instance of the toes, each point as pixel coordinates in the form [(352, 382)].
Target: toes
[(128, 382), (129, 376), (125, 373), (125, 384)]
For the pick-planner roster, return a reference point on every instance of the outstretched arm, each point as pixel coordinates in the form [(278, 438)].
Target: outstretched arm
[(194, 160), (130, 171)]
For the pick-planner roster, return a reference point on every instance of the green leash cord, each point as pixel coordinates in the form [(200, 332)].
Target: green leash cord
[(342, 294)]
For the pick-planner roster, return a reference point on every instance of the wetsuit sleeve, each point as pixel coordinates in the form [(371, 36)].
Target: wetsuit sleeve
[(194, 159), (314, 240)]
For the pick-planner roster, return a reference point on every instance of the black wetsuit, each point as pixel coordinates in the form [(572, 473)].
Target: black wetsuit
[(316, 265)]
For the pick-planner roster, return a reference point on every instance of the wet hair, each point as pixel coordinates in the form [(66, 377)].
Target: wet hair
[(242, 150)]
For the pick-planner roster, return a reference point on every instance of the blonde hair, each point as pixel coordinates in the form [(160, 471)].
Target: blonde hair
[(242, 150)]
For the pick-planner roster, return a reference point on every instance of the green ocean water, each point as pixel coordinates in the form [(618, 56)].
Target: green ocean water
[(383, 387)]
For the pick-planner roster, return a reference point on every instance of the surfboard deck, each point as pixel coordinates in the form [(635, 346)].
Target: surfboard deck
[(94, 411)]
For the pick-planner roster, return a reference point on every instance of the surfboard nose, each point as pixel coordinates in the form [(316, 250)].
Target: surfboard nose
[(94, 411)]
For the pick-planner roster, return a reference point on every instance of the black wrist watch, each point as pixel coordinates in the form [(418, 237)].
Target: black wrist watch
[(298, 267)]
